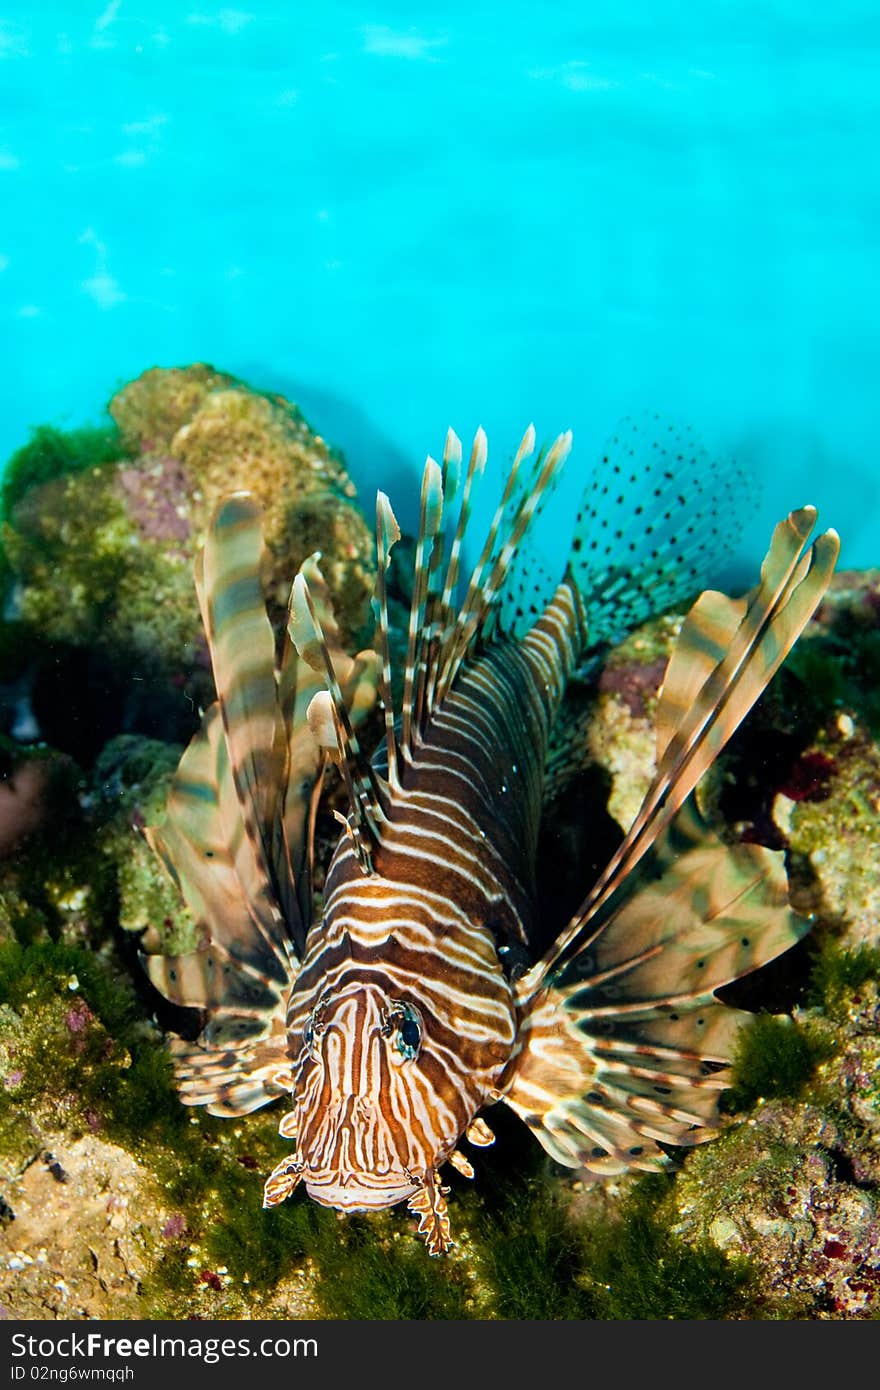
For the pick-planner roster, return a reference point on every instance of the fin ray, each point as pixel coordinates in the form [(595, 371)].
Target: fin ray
[(775, 613), (617, 1057)]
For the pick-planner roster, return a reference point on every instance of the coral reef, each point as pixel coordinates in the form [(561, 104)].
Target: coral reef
[(118, 1201), (100, 528), (808, 1218)]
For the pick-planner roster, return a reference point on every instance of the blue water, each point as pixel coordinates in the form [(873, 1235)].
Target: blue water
[(408, 216)]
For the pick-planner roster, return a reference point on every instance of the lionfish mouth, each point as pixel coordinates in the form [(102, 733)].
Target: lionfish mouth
[(360, 1191), (355, 1192)]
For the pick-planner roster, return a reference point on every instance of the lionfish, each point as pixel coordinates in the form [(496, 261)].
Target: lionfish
[(414, 1000)]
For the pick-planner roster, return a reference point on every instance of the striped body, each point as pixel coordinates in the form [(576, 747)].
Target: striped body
[(415, 1001), (451, 896)]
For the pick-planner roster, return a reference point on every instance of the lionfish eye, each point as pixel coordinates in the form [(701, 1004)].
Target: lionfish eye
[(404, 1025), (313, 1026)]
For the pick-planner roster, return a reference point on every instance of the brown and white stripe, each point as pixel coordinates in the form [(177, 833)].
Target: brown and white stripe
[(413, 1002)]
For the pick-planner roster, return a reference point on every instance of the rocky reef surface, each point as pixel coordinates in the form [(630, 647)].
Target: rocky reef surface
[(117, 1201), (100, 529)]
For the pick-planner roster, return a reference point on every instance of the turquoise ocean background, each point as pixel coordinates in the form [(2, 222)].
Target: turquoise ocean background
[(406, 216)]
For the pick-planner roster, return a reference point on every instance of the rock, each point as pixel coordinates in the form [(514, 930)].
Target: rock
[(834, 835), (101, 554), (86, 1222)]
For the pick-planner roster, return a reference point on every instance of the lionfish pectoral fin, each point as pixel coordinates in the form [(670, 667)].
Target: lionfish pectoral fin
[(235, 834), (429, 1205), (222, 841), (282, 1182), (218, 837), (728, 650), (726, 654), (245, 955), (230, 1076), (629, 1047), (242, 647)]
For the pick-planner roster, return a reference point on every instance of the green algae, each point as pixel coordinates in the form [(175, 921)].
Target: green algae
[(56, 881), (639, 1267), (88, 578), (371, 1269), (841, 669), (529, 1248), (838, 972), (71, 900), (540, 1259), (775, 1056), (86, 1017), (20, 921), (32, 975), (833, 839), (132, 776), (69, 1008), (50, 453), (818, 671)]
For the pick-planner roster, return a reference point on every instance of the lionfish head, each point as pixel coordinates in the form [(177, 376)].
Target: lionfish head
[(369, 1130)]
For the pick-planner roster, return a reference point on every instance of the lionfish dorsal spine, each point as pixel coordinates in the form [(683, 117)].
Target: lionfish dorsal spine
[(311, 636), (511, 520), (445, 583), (387, 535), (476, 467), (761, 630), (429, 537), (436, 617)]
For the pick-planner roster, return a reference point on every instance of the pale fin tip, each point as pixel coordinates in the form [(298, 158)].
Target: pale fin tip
[(452, 449)]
